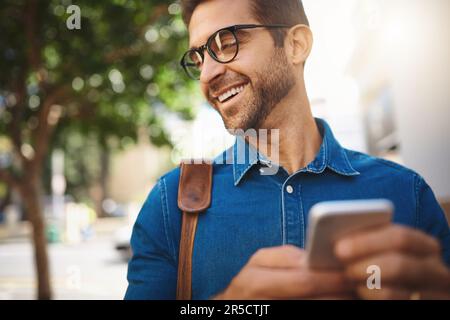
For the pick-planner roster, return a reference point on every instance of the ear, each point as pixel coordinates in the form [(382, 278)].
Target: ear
[(299, 43)]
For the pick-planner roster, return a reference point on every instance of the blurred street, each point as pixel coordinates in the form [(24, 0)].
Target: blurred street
[(92, 269)]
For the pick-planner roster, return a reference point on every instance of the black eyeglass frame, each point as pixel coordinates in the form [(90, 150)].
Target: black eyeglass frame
[(207, 46)]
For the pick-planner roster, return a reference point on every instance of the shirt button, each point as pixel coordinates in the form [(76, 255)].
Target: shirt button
[(289, 189)]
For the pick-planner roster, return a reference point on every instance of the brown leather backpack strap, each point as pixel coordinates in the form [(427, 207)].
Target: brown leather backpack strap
[(194, 196)]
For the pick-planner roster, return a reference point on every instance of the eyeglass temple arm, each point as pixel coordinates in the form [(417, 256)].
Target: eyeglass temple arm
[(253, 26)]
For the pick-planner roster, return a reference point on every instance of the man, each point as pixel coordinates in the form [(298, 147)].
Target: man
[(249, 57)]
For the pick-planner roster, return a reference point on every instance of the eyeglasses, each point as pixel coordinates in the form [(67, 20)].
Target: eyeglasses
[(222, 46)]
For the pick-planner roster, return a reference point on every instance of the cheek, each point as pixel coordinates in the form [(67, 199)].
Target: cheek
[(250, 64), (204, 89)]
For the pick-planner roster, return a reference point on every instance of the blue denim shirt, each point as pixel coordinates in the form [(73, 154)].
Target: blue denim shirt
[(250, 211)]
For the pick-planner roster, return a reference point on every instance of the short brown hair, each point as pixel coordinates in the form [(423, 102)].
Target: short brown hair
[(290, 12)]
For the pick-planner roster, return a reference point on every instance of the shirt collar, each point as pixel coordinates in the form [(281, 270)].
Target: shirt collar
[(244, 156), (331, 155)]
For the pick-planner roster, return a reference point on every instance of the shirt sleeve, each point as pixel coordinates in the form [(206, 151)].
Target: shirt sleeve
[(431, 217), (152, 271)]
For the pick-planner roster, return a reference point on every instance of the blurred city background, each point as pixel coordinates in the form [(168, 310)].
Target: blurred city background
[(90, 117)]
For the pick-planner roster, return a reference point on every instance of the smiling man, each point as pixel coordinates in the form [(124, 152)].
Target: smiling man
[(249, 56)]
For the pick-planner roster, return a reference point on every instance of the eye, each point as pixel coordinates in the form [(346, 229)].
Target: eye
[(193, 59), (230, 45), (227, 41), (222, 40)]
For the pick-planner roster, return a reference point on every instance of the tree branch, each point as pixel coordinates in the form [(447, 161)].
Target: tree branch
[(19, 84), (43, 131), (33, 50), (135, 50), (19, 90), (9, 179)]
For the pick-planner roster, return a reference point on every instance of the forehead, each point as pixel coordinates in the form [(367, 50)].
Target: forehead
[(212, 15)]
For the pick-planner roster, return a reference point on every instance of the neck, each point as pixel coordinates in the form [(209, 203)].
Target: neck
[(299, 137)]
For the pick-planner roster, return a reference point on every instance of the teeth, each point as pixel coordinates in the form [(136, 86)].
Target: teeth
[(230, 93)]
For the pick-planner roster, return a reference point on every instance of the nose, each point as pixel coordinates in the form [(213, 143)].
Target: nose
[(210, 69)]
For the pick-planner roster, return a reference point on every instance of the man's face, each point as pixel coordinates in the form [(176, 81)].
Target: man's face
[(261, 69)]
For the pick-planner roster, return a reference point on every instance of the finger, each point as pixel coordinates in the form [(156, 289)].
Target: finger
[(403, 271), (433, 295), (344, 296), (392, 238), (293, 283), (385, 293), (278, 257), (393, 293)]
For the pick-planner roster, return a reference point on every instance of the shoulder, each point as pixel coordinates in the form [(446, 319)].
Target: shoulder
[(169, 181), (222, 166), (381, 168), (414, 199)]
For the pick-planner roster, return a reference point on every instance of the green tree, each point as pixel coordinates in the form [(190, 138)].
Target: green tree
[(116, 73)]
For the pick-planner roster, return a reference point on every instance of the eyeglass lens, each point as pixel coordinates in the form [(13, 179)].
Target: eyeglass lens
[(222, 47)]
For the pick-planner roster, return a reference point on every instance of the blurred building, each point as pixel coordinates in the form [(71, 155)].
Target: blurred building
[(402, 67), (135, 170), (332, 91)]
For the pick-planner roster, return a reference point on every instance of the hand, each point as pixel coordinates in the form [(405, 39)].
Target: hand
[(281, 273), (409, 260)]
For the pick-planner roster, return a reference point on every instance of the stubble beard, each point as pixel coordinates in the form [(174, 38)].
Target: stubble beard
[(271, 85)]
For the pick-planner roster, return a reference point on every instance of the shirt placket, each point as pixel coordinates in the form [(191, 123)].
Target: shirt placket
[(292, 213)]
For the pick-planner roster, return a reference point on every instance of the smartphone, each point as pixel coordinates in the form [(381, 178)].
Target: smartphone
[(330, 221)]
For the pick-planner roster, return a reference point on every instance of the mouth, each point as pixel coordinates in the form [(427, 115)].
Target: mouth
[(231, 93)]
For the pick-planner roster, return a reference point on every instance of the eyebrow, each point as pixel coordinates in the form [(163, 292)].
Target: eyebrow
[(197, 47), (242, 32)]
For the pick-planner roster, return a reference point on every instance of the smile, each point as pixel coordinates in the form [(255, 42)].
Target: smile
[(230, 94)]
